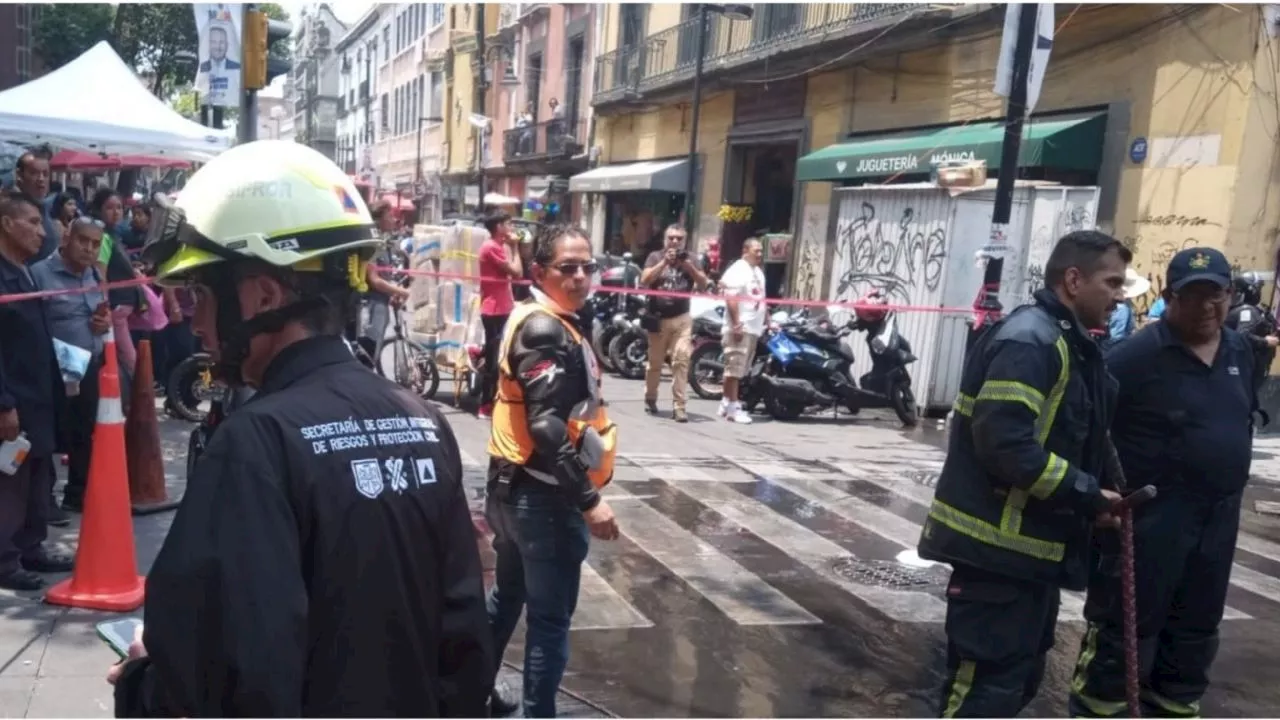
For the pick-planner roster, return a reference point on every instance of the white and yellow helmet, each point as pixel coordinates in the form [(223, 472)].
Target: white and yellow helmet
[(273, 200)]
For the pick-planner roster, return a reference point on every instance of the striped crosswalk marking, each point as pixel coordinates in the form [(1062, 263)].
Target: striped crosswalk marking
[(668, 467), (739, 593), (747, 599), (600, 607), (1072, 602), (813, 551)]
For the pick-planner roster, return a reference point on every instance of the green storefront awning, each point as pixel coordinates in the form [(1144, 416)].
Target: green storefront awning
[(1065, 143)]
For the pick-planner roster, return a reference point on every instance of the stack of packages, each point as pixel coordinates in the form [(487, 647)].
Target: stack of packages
[(447, 308), (425, 257)]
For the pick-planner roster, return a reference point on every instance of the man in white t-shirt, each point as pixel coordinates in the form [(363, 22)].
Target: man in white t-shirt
[(744, 323)]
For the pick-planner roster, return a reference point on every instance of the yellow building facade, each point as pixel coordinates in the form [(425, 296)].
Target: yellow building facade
[(458, 149), (1193, 85)]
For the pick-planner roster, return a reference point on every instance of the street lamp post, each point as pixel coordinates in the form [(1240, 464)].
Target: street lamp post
[(733, 12)]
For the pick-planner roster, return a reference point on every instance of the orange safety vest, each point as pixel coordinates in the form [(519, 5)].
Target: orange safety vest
[(509, 437)]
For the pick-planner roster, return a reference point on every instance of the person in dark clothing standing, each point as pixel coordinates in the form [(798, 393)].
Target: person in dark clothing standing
[(323, 562), (1184, 423), (670, 327), (31, 175), (28, 371), (1022, 484)]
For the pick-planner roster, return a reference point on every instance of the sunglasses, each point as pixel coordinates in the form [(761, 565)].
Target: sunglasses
[(675, 237), (572, 268)]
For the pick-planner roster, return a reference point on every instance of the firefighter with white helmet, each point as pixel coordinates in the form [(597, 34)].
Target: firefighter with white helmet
[(323, 562)]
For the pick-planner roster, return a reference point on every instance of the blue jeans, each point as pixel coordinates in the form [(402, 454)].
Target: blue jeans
[(540, 540)]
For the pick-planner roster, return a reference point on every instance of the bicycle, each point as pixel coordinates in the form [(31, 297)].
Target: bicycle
[(413, 363)]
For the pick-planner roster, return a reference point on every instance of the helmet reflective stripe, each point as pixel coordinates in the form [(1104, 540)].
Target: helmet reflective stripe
[(273, 200)]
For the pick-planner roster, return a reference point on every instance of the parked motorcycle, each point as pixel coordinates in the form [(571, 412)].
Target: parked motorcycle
[(189, 386), (812, 365), (706, 362), (629, 348), (610, 310)]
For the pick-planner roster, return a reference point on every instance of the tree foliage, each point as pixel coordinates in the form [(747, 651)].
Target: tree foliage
[(64, 31), (148, 37)]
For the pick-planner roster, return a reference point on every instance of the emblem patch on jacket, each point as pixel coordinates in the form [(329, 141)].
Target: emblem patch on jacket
[(368, 477)]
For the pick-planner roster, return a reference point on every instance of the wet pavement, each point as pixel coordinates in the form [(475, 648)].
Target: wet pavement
[(758, 575), (52, 663)]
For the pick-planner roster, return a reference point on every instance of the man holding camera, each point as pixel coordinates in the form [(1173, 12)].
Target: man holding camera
[(668, 322)]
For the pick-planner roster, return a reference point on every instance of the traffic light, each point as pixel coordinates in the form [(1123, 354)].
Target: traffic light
[(258, 68)]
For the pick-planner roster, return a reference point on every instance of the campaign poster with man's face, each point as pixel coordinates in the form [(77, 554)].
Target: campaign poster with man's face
[(218, 72)]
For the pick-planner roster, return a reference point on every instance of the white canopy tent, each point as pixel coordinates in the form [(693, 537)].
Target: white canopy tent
[(96, 103)]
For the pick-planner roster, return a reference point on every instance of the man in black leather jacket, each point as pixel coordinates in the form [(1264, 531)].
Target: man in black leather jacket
[(1022, 483), (541, 502)]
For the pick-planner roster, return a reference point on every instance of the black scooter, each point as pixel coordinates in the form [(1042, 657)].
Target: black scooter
[(810, 364)]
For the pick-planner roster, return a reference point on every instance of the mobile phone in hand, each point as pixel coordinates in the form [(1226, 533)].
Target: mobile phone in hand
[(119, 634)]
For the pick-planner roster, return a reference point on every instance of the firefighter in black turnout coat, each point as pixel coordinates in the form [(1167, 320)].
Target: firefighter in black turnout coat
[(323, 561), (1022, 485)]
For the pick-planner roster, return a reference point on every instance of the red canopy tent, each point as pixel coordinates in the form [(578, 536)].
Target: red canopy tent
[(73, 161)]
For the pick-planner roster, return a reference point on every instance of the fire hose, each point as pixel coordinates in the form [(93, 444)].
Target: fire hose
[(1128, 581)]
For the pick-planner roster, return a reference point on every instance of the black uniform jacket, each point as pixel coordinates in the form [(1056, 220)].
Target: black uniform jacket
[(1182, 425), (28, 367), (1020, 486), (323, 561)]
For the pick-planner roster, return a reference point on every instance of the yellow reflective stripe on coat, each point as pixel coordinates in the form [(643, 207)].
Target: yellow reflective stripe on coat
[(1011, 391), (1009, 535), (989, 534), (1055, 471), (1011, 518)]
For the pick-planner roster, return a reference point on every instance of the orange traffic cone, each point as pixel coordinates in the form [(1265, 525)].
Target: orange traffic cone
[(142, 442), (106, 572)]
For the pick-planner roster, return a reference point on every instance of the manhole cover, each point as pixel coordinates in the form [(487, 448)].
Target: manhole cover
[(883, 574)]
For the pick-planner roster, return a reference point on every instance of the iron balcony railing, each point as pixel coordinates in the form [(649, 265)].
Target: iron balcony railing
[(668, 57), (556, 138)]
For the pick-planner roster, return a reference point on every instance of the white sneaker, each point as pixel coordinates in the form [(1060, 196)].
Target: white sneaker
[(738, 415), (723, 410)]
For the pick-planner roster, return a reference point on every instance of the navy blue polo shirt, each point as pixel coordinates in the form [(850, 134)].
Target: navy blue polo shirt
[(1180, 424)]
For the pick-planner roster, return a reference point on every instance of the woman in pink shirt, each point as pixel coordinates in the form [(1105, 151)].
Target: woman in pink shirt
[(499, 263)]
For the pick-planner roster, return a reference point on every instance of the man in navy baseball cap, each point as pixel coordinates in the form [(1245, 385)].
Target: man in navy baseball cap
[(1198, 265), (1183, 422)]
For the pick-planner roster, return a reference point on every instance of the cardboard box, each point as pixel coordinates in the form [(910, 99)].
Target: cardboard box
[(422, 288), (427, 243)]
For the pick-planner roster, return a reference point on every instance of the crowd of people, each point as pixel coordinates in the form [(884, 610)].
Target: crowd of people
[(49, 242), (324, 561)]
